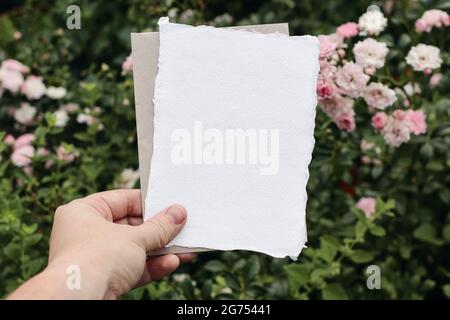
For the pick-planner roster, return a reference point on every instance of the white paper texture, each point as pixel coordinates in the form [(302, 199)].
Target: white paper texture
[(213, 85)]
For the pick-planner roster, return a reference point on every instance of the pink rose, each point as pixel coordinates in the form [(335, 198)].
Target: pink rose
[(435, 80), (63, 154), (396, 131), (366, 159), (367, 205), (9, 140), (421, 25), (416, 121), (335, 105), (378, 95), (33, 87), (346, 121), (324, 90), (14, 65), (21, 156), (434, 18), (127, 65), (42, 152), (352, 79), (348, 30), (370, 54), (379, 120), (366, 145), (11, 80), (329, 44), (23, 140), (399, 114)]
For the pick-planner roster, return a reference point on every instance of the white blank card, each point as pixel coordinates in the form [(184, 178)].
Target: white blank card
[(233, 136)]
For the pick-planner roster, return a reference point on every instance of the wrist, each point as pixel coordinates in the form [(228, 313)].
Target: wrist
[(61, 280), (77, 280)]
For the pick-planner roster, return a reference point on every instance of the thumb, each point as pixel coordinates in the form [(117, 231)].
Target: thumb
[(159, 230)]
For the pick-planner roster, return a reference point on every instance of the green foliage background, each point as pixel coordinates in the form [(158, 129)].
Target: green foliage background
[(409, 238)]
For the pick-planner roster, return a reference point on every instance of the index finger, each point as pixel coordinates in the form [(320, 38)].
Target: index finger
[(117, 204)]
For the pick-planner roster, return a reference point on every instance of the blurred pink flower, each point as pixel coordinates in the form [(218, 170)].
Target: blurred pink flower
[(11, 80), (24, 140), (325, 90), (28, 170), (42, 152), (424, 58), (336, 104), (127, 65), (62, 153), (422, 26), (329, 44), (21, 156), (9, 140), (372, 23), (17, 35), (379, 96), (435, 80), (379, 120), (432, 18), (14, 65), (366, 159), (33, 87), (370, 53), (366, 145), (326, 87), (352, 79), (399, 114), (416, 121), (367, 205), (396, 132), (348, 30), (340, 110), (25, 113), (346, 121)]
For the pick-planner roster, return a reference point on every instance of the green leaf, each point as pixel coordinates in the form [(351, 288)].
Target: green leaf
[(29, 229), (405, 251), (252, 269), (332, 241), (427, 233), (446, 232), (317, 275), (334, 291), (215, 266), (207, 289), (446, 289), (360, 229), (404, 40), (32, 239), (279, 288), (426, 151), (187, 288), (377, 231), (376, 171), (298, 274), (50, 118), (233, 282), (361, 256), (327, 250)]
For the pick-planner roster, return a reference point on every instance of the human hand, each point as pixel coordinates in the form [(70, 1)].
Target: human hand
[(104, 237)]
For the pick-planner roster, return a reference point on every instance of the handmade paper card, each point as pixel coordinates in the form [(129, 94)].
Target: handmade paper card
[(233, 136), (145, 50)]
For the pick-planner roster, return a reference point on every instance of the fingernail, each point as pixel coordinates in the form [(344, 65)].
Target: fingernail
[(178, 213)]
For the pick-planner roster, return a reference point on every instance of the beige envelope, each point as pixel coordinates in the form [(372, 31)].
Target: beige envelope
[(145, 50)]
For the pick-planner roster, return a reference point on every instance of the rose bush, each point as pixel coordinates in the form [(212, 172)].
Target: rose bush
[(380, 175)]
